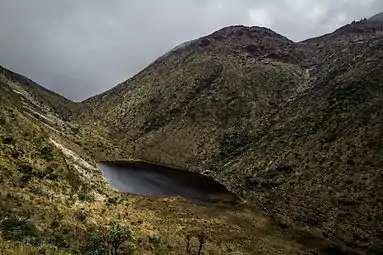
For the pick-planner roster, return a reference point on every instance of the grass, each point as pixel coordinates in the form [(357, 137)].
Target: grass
[(292, 128), (47, 208)]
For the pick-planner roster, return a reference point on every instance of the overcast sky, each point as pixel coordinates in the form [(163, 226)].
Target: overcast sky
[(82, 47)]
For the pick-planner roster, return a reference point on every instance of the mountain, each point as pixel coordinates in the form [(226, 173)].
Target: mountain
[(54, 199), (293, 128), (57, 103), (377, 18)]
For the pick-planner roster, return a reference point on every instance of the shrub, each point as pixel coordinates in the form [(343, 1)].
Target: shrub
[(24, 168), (95, 244), (113, 200), (154, 239), (59, 241), (46, 152), (108, 240), (55, 224), (48, 173), (201, 237), (158, 245), (81, 215), (15, 154), (13, 228), (3, 121), (116, 236), (75, 130), (8, 140), (25, 178), (84, 194), (36, 190)]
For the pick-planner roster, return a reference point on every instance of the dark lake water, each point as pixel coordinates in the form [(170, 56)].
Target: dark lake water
[(153, 180)]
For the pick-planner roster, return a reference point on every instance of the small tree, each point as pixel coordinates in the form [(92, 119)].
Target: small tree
[(107, 240), (95, 244), (116, 236), (201, 237)]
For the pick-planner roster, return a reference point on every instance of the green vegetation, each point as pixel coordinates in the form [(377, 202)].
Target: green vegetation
[(292, 128), (201, 238), (112, 240), (47, 206), (15, 229)]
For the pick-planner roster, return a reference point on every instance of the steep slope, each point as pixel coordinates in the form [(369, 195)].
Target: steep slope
[(377, 18), (296, 128), (53, 200), (57, 103), (214, 70), (41, 179)]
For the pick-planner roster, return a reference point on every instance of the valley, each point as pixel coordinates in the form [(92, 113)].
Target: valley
[(285, 136)]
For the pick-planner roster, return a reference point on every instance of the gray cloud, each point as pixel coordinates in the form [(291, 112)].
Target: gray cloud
[(80, 48)]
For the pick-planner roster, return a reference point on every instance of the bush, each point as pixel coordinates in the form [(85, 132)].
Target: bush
[(108, 241), (81, 215), (85, 194), (234, 144), (158, 246), (95, 244), (25, 178), (48, 173), (46, 152), (14, 229), (59, 241), (15, 154), (116, 236), (113, 200), (8, 140), (3, 121), (201, 237), (36, 190), (55, 224), (25, 168), (154, 240)]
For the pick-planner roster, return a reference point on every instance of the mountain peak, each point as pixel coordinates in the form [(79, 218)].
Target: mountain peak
[(240, 31)]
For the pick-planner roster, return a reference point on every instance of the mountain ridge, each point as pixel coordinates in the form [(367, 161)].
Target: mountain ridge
[(62, 105), (378, 17)]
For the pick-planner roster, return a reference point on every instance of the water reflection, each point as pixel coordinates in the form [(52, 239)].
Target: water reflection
[(153, 180)]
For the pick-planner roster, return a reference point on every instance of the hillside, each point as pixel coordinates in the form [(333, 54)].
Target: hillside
[(57, 103), (377, 18), (293, 128), (54, 200)]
